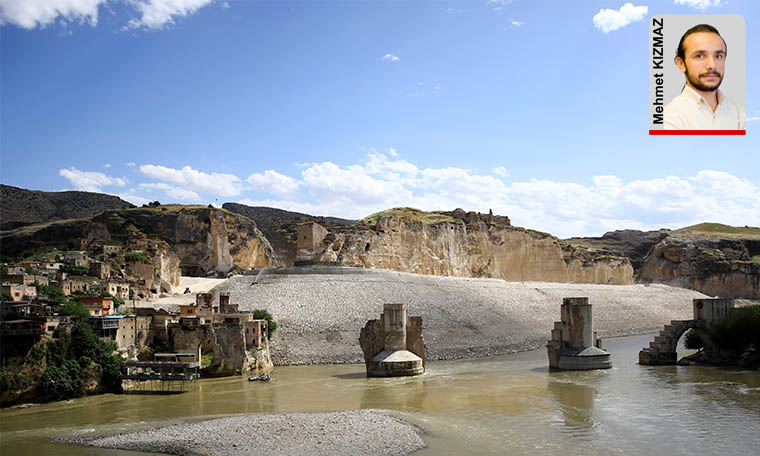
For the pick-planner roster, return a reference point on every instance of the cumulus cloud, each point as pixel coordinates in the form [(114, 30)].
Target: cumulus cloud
[(192, 180), (91, 181), (30, 14), (391, 58), (153, 14), (698, 4), (156, 14), (562, 208), (182, 194), (273, 182), (379, 181), (501, 171), (608, 20)]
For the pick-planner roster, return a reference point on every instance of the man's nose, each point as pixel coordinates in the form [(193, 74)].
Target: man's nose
[(709, 62)]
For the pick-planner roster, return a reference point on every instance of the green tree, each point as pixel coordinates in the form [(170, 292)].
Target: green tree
[(740, 329), (262, 314), (693, 341), (6, 297), (75, 309), (31, 271), (54, 294), (3, 269)]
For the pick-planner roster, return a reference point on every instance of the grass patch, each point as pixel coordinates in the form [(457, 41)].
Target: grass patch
[(409, 213), (756, 259), (720, 228)]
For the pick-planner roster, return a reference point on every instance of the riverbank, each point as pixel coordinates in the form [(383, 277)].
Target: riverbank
[(338, 433), (320, 311)]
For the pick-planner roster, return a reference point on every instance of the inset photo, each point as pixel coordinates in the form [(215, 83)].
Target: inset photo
[(697, 75)]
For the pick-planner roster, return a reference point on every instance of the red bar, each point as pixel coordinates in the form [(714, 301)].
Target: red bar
[(698, 132)]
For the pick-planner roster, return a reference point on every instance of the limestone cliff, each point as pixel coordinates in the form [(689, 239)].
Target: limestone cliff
[(468, 245), (204, 239), (717, 264)]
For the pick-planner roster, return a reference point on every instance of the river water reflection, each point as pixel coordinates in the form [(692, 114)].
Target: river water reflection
[(504, 405)]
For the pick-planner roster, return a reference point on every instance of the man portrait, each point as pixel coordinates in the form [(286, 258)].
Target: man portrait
[(701, 105)]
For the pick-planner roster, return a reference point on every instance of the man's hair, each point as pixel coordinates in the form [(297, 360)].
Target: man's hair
[(701, 28)]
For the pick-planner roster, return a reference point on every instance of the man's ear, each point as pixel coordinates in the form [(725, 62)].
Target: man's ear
[(680, 64)]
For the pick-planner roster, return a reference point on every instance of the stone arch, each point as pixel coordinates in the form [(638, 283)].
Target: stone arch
[(679, 330)]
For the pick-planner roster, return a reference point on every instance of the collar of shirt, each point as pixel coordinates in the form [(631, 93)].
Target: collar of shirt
[(698, 99)]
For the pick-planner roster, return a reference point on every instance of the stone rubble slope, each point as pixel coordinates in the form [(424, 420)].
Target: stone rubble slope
[(320, 311), (337, 433)]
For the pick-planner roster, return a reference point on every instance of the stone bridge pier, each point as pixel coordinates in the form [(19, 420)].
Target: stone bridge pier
[(707, 314)]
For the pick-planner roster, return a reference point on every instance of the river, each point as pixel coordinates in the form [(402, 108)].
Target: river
[(503, 405)]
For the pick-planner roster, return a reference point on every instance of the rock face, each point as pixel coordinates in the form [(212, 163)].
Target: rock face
[(632, 244), (716, 265), (159, 274), (476, 249), (204, 239), (20, 207)]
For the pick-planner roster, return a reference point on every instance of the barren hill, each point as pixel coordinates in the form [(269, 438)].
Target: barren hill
[(19, 207)]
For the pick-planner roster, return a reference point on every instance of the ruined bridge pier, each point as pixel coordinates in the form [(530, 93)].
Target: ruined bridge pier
[(708, 313)]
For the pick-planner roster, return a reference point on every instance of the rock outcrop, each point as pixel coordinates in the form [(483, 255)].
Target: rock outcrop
[(723, 265), (206, 240), (475, 245), (631, 244)]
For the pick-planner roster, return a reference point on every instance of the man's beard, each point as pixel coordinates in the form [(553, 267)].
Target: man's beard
[(699, 85)]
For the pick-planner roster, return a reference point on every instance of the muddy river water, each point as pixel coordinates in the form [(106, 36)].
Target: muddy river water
[(503, 405)]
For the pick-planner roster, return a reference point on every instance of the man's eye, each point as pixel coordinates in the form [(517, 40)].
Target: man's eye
[(720, 56)]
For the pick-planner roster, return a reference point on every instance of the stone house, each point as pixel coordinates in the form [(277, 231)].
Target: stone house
[(98, 306), (100, 270), (18, 292), (256, 333)]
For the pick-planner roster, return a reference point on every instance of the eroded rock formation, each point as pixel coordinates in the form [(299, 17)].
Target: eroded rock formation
[(481, 248), (716, 265)]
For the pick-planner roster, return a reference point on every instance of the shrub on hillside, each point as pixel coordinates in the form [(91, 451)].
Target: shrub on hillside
[(261, 314)]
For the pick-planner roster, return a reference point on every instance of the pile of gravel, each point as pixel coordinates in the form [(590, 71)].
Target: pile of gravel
[(337, 433), (319, 311)]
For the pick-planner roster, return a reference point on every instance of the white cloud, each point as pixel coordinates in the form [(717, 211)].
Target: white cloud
[(196, 181), (608, 20), (381, 181), (107, 165), (698, 4), (273, 182), (392, 152), (90, 181), (182, 194), (30, 14), (518, 23), (754, 118), (137, 200), (390, 58), (155, 14), (500, 171), (225, 5), (131, 164)]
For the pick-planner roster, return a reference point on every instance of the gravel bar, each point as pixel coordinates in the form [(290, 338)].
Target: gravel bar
[(337, 433), (319, 311)]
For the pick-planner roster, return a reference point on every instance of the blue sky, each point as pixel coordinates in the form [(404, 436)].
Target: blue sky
[(535, 109)]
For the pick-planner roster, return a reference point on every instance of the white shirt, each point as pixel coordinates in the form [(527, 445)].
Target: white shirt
[(689, 111)]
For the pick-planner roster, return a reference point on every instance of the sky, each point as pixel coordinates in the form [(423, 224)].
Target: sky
[(535, 109)]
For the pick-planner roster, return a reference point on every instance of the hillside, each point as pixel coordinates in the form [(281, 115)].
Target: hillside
[(205, 239), (20, 207), (632, 244), (267, 216)]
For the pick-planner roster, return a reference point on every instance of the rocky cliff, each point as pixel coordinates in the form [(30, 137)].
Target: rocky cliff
[(632, 244), (204, 239), (716, 264), (467, 245)]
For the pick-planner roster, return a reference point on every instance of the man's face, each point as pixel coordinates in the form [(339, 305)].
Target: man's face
[(704, 60)]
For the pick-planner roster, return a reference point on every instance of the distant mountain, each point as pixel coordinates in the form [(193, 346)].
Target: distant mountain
[(21, 207), (266, 216)]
